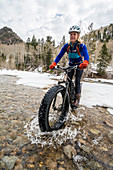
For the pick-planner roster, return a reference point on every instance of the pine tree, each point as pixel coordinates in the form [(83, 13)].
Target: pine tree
[(48, 57), (34, 42), (49, 38), (42, 42), (104, 59), (63, 40), (28, 43)]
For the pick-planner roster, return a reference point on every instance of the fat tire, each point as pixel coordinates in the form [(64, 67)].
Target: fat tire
[(45, 106)]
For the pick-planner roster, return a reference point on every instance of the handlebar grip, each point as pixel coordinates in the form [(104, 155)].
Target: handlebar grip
[(57, 66)]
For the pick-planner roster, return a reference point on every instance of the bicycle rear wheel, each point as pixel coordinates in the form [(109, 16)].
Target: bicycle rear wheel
[(54, 108)]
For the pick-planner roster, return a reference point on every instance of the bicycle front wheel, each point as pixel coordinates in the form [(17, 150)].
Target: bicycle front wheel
[(54, 108)]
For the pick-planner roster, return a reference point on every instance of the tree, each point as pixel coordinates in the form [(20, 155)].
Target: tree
[(104, 59), (42, 42), (112, 30), (49, 38), (53, 43), (63, 40), (99, 35), (48, 57), (28, 40), (39, 41), (28, 43), (34, 42), (104, 34), (90, 27)]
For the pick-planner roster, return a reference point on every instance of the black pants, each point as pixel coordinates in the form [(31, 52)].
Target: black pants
[(78, 76)]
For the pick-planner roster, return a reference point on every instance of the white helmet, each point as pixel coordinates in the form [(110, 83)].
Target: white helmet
[(74, 28)]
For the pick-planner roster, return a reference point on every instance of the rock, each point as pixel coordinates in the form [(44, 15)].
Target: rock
[(103, 148), (60, 168), (86, 148), (95, 131), (53, 165), (79, 158), (108, 124), (61, 162), (9, 161), (82, 141), (111, 164), (30, 166), (1, 153), (95, 165), (18, 167), (75, 123), (8, 150), (69, 151), (31, 159), (110, 136), (21, 141)]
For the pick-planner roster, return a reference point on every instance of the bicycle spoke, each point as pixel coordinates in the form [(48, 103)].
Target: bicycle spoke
[(55, 110)]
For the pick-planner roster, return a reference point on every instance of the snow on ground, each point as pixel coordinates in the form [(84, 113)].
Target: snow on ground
[(100, 80), (35, 79), (92, 93), (97, 94)]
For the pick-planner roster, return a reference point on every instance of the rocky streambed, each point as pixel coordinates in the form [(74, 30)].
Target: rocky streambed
[(86, 142)]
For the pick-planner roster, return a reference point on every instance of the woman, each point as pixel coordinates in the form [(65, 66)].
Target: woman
[(78, 55)]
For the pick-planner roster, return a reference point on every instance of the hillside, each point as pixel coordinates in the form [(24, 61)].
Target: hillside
[(7, 36), (15, 54), (96, 38)]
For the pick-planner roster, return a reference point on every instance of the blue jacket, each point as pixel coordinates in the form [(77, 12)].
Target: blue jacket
[(74, 59)]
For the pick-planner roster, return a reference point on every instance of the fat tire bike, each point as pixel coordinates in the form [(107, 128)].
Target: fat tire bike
[(54, 106)]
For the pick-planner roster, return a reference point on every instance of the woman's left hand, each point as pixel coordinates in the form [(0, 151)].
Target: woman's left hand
[(84, 64)]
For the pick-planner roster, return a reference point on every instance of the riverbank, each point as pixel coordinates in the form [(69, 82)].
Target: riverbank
[(92, 148)]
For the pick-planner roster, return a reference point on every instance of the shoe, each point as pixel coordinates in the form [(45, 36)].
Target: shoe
[(77, 100)]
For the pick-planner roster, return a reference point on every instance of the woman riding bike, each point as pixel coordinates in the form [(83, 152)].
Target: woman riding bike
[(78, 55)]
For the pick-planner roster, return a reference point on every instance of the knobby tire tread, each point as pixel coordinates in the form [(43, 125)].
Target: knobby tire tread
[(43, 110)]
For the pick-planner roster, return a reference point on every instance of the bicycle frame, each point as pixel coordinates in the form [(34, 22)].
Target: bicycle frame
[(66, 79)]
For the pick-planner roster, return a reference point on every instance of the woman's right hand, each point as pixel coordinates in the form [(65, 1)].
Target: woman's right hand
[(52, 65)]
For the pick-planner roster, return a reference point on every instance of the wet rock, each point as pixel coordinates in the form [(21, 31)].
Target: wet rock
[(94, 165), (69, 151), (82, 141), (103, 149), (1, 153), (95, 131), (31, 166), (9, 162), (60, 168), (86, 148), (13, 134), (79, 158), (31, 159), (75, 123), (9, 149), (61, 162), (2, 165), (53, 165), (111, 164), (18, 167), (21, 141), (108, 124), (110, 136)]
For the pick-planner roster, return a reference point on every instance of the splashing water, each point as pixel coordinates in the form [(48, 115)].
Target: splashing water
[(53, 138)]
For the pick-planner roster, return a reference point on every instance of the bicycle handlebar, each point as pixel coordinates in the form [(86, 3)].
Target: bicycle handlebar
[(66, 69)]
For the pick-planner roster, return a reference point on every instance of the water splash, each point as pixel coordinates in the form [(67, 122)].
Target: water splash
[(53, 138)]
